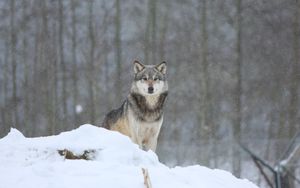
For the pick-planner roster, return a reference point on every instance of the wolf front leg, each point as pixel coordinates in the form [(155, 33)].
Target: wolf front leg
[(147, 181), (149, 143)]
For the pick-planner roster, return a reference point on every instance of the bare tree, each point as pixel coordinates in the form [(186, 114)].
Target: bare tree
[(153, 11), (239, 92), (26, 107), (147, 35), (293, 108), (118, 47), (13, 42), (55, 70), (150, 33), (73, 4), (204, 129), (6, 115), (163, 33), (62, 59), (91, 78), (224, 55), (295, 74)]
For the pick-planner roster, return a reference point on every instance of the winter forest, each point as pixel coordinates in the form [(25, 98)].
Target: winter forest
[(233, 73)]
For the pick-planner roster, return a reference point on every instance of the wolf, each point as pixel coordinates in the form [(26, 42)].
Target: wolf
[(140, 117)]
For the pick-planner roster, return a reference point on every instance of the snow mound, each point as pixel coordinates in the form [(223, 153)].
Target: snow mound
[(116, 162)]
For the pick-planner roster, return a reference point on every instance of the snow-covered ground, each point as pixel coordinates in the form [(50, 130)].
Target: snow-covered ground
[(115, 162)]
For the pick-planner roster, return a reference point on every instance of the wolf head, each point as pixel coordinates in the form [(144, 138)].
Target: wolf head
[(149, 79)]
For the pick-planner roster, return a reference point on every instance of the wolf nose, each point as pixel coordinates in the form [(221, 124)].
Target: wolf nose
[(150, 89)]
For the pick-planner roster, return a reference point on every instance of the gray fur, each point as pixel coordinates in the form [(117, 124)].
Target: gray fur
[(141, 114), (151, 71), (143, 111), (113, 116)]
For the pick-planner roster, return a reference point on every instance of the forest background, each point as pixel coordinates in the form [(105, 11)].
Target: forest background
[(233, 72)]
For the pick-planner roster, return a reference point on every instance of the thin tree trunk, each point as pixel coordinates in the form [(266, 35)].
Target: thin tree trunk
[(150, 34), (91, 63), (204, 130), (295, 75), (46, 56), (33, 117), (6, 113), (294, 86), (118, 50), (163, 33), (55, 103), (14, 62), (204, 80), (238, 99), (26, 107), (62, 61), (106, 77), (147, 34), (74, 61), (55, 121), (153, 31)]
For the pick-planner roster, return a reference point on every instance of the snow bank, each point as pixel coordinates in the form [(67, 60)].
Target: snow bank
[(117, 162)]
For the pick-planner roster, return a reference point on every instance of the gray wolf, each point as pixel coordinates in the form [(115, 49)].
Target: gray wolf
[(140, 117)]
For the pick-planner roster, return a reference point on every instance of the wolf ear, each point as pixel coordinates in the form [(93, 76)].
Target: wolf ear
[(138, 67), (162, 67)]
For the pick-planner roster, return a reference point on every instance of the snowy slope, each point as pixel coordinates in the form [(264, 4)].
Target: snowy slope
[(116, 162)]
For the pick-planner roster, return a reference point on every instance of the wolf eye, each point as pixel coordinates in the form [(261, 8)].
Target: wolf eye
[(145, 79), (155, 79)]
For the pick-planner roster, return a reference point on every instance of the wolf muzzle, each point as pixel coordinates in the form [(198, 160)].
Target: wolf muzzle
[(150, 89)]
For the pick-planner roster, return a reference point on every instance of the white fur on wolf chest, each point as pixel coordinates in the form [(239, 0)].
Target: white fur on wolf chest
[(152, 100), (144, 133)]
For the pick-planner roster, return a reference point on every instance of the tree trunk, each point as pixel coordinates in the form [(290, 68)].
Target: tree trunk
[(204, 130), (74, 62), (107, 87), (238, 99), (55, 104), (295, 76), (26, 107), (163, 33), (294, 87), (153, 31), (62, 62), (45, 60), (6, 114), (13, 42), (147, 33), (150, 34), (204, 70), (91, 78), (33, 116), (118, 51)]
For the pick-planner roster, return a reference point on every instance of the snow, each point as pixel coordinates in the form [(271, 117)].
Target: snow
[(116, 162), (78, 108)]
